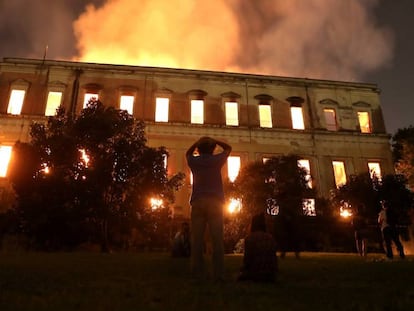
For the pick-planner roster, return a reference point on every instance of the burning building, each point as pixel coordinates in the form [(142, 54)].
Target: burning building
[(337, 128)]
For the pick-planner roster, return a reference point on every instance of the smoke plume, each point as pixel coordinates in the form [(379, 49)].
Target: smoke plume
[(329, 39), (326, 39)]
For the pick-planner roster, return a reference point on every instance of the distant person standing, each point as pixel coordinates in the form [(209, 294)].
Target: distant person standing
[(359, 223), (207, 201), (388, 223)]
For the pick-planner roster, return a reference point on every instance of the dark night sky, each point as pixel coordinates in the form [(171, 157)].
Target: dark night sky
[(26, 27), (397, 80)]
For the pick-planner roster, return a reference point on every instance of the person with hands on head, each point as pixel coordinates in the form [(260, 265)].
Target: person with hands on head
[(207, 200)]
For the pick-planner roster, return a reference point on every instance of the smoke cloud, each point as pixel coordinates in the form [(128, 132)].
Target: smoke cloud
[(328, 39), (28, 27)]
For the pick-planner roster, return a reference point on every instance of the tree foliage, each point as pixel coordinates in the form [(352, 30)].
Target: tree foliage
[(279, 181), (90, 177), (364, 193), (277, 186), (360, 192), (403, 153)]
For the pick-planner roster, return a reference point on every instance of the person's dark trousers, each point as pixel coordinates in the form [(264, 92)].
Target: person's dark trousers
[(390, 234)]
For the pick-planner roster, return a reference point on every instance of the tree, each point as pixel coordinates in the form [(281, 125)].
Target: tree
[(403, 153), (278, 186), (360, 191), (393, 189), (279, 182), (96, 167), (365, 193)]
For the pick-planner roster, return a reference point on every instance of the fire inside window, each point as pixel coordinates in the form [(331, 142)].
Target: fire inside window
[(197, 111), (161, 109), (53, 102), (16, 102), (364, 122), (265, 116), (127, 103), (5, 154), (233, 167), (306, 165), (88, 97), (339, 173), (330, 119), (297, 118), (374, 170), (232, 113)]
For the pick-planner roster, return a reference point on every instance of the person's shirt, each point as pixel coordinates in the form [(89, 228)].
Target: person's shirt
[(206, 169)]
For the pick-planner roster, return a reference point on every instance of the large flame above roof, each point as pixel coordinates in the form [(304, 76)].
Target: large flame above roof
[(303, 38)]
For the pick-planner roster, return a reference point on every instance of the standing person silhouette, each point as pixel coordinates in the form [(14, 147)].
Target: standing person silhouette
[(360, 225), (388, 223), (207, 201)]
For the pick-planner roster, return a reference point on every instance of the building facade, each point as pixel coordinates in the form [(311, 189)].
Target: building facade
[(337, 128)]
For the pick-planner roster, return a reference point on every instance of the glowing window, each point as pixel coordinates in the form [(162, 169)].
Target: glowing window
[(127, 103), (265, 159), (54, 100), (265, 116), (197, 111), (233, 167), (297, 118), (5, 154), (306, 165), (161, 109), (232, 113), (339, 173), (272, 208), (308, 206), (88, 97), (330, 119), (374, 169), (364, 122), (16, 102)]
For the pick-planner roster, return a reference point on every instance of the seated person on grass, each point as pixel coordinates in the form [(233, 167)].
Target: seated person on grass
[(259, 261)]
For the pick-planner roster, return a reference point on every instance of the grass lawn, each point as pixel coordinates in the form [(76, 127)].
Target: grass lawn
[(155, 281)]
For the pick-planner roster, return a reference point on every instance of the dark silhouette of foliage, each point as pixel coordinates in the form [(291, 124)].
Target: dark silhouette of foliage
[(365, 193), (88, 178), (393, 189), (403, 153), (276, 187), (360, 192), (278, 181)]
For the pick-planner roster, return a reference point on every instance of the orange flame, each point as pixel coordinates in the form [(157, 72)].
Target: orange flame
[(302, 38)]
